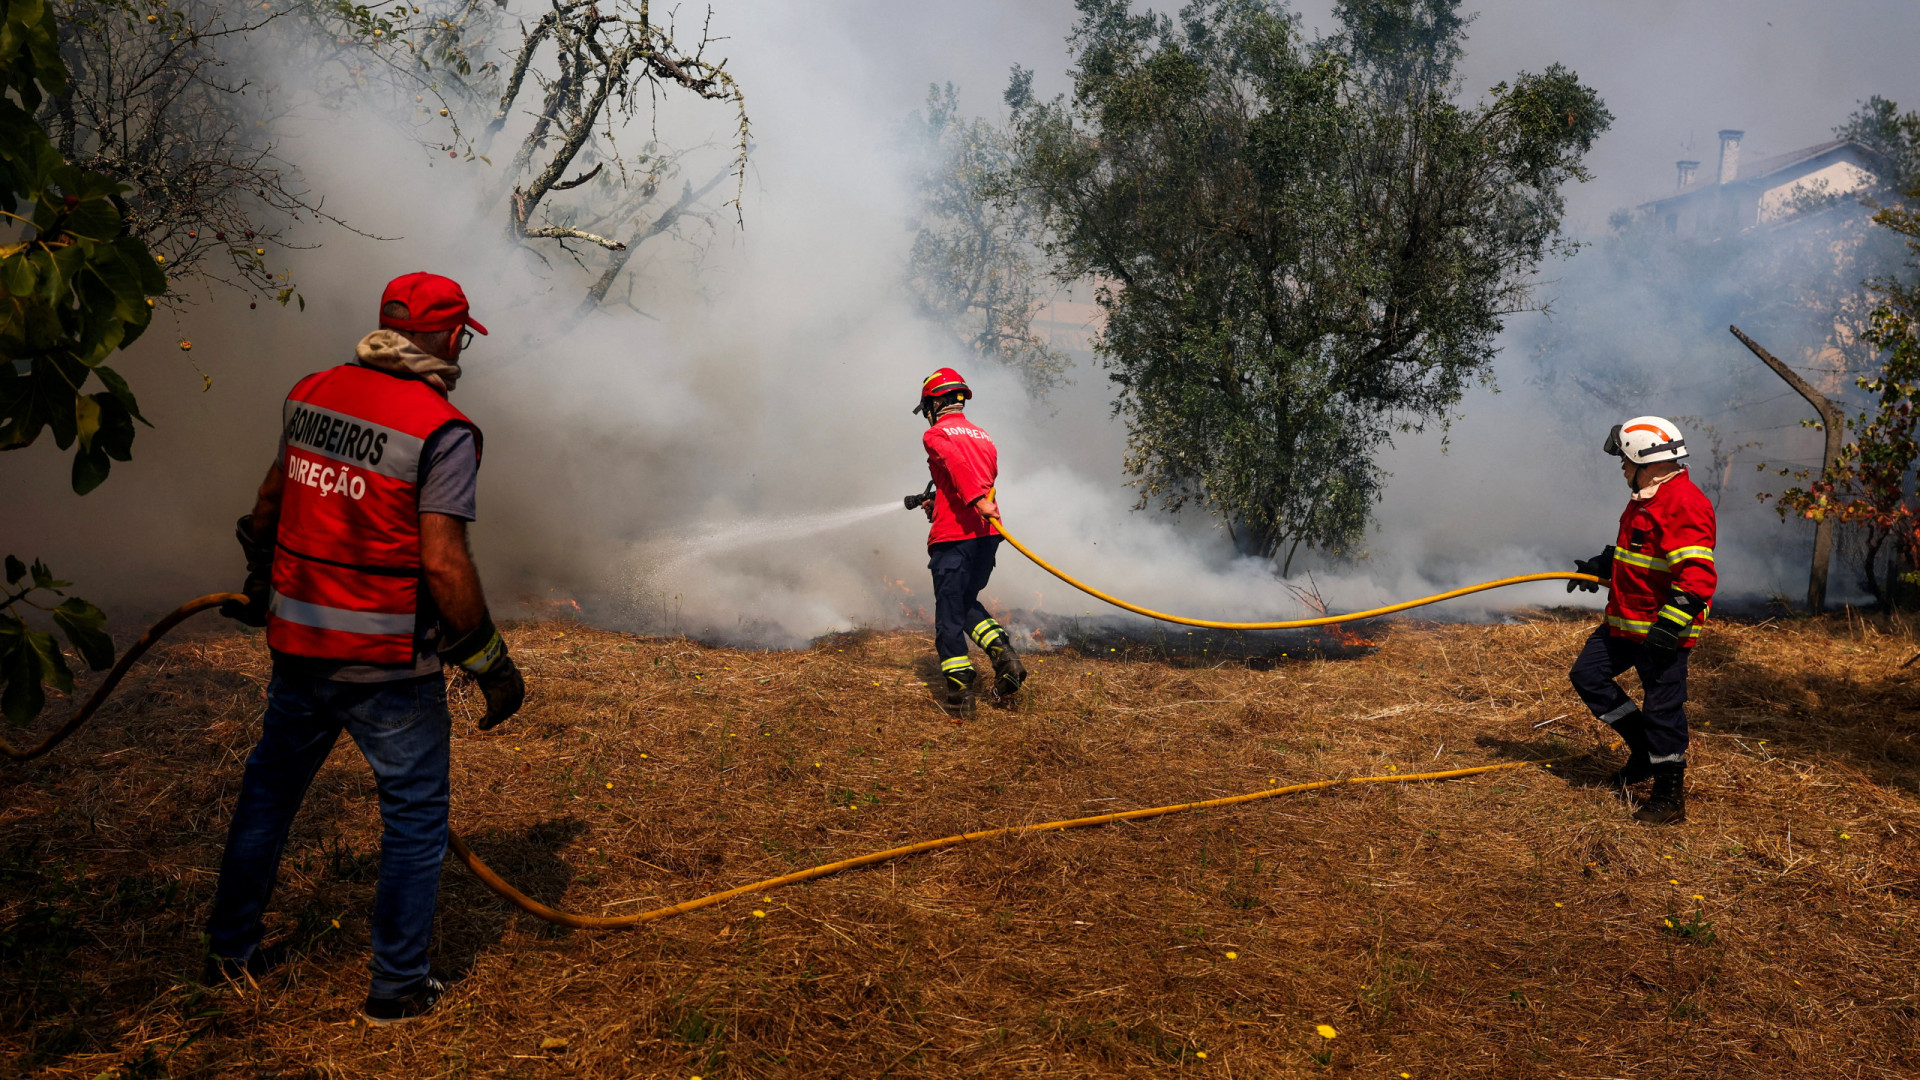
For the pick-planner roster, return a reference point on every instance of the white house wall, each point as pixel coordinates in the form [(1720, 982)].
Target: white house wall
[(1838, 178)]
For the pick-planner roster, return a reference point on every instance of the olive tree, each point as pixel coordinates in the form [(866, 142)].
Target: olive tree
[(1303, 246)]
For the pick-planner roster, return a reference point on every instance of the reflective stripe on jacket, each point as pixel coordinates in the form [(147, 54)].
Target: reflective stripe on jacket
[(346, 577), (964, 465), (1665, 543)]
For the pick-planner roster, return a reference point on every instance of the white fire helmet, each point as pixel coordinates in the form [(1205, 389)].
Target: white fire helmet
[(1645, 440)]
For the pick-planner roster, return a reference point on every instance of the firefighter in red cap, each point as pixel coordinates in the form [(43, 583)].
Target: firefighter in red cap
[(357, 565), (962, 541), (1661, 578)]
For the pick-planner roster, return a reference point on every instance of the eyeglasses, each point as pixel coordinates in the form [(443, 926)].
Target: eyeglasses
[(465, 339)]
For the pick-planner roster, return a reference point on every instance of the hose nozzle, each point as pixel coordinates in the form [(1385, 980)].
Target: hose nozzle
[(914, 501)]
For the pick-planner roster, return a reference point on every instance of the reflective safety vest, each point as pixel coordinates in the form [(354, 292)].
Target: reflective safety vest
[(347, 578), (1665, 543)]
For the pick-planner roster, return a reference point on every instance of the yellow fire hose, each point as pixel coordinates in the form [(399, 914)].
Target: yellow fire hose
[(1287, 624), (554, 915), (597, 922)]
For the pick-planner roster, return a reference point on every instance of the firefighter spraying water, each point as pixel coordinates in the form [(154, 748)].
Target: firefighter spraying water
[(961, 541)]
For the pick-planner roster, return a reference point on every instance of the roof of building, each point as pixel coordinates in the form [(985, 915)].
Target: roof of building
[(1778, 163)]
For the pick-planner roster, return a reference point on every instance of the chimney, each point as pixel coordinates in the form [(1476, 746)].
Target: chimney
[(1689, 172), (1730, 155)]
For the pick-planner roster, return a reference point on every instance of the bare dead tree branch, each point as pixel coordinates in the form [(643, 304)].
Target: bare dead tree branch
[(568, 185), (1834, 425), (154, 105), (665, 222), (559, 233), (601, 55)]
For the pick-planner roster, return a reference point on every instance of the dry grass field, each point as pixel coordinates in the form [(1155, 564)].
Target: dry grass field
[(1512, 924)]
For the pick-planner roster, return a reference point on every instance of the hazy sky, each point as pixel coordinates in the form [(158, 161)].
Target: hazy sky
[(1673, 72)]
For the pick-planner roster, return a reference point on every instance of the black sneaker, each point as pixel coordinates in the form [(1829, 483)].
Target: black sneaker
[(379, 1012)]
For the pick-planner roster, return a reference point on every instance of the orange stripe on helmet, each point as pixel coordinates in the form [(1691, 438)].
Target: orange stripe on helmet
[(1648, 427)]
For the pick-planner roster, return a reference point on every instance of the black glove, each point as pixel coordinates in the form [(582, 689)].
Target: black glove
[(1600, 566), (1670, 627), (259, 577), (482, 653)]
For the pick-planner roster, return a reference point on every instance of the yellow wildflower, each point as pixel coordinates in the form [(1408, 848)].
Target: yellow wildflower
[(1326, 1030)]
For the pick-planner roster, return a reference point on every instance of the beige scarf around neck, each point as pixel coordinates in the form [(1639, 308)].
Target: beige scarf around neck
[(1653, 487), (388, 350)]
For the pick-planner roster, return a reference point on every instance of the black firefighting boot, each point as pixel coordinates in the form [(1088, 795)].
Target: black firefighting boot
[(1008, 671), (959, 685), (1632, 729), (1668, 803)]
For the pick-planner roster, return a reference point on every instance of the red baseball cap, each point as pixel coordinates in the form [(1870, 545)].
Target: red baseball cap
[(433, 303)]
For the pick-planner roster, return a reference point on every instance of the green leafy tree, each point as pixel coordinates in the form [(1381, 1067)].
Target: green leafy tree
[(1880, 125), (1304, 247), (30, 659), (158, 99), (974, 270), (73, 290)]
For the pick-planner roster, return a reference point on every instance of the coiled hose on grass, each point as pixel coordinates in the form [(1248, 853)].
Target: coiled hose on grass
[(533, 907)]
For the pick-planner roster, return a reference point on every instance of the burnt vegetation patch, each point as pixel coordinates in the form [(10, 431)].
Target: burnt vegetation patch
[(1508, 924)]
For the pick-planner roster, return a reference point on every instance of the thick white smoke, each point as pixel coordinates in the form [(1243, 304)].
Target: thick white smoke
[(771, 375)]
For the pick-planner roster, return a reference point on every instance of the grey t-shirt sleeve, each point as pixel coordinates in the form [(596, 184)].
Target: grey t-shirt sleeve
[(449, 473)]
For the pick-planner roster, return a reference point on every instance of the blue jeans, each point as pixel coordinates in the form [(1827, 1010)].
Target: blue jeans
[(402, 729)]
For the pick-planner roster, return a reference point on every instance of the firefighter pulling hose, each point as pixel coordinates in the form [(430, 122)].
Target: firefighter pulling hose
[(358, 567), (1660, 576)]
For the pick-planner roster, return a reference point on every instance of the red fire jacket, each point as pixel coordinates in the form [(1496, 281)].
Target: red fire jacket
[(347, 576), (1665, 543), (964, 466)]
